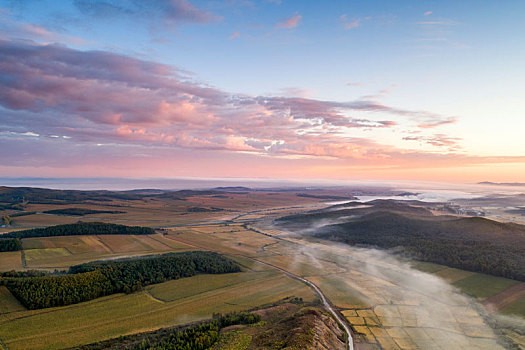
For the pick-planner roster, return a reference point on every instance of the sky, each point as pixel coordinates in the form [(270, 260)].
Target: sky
[(281, 89)]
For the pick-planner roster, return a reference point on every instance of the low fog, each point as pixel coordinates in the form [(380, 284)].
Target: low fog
[(423, 307)]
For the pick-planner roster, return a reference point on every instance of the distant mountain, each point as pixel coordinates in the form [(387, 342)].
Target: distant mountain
[(233, 189), (501, 183)]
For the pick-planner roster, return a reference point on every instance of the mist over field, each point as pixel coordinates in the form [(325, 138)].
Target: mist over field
[(401, 296)]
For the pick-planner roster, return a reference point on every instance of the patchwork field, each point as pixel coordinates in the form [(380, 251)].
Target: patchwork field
[(62, 252), (170, 303), (390, 304)]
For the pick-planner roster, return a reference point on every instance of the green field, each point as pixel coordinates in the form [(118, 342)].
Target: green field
[(35, 257), (8, 303), (178, 289), (427, 266), (187, 300), (483, 286), (452, 275), (516, 308)]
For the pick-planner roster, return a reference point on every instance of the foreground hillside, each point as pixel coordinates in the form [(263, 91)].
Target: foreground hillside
[(470, 243), (284, 326)]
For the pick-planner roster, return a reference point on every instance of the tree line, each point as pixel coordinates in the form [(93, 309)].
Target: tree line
[(81, 211), (92, 280), (194, 337), (81, 228), (10, 244)]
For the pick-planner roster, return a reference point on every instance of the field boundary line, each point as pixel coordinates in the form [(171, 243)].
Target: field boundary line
[(105, 245)]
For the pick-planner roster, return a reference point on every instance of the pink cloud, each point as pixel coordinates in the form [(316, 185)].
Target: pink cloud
[(234, 35), (290, 22), (97, 97), (171, 12), (428, 13), (438, 140), (435, 121), (350, 23)]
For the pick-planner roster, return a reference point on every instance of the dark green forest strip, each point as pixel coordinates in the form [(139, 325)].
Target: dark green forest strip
[(80, 229), (81, 211), (10, 244), (196, 337), (92, 280)]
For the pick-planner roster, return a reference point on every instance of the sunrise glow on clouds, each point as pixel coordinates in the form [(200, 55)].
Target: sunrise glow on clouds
[(74, 103)]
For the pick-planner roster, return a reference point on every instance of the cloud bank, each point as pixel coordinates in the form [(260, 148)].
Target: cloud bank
[(51, 95)]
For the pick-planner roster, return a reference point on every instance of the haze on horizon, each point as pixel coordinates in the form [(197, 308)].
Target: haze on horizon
[(377, 90)]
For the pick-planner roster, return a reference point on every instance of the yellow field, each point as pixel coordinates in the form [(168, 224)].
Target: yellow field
[(340, 291), (189, 299), (64, 251), (239, 242)]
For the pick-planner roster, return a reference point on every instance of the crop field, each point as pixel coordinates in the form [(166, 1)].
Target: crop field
[(511, 300), (340, 291), (237, 242), (427, 266), (10, 261), (387, 303), (482, 286), (452, 275), (8, 303), (36, 257), (64, 251), (170, 303), (516, 308)]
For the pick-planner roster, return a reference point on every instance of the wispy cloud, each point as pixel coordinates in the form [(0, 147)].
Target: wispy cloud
[(428, 13), (349, 23), (435, 121), (438, 140), (234, 35), (97, 97), (171, 12), (289, 22), (10, 29)]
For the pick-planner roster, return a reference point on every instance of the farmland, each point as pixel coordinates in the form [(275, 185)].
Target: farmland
[(389, 302), (170, 303)]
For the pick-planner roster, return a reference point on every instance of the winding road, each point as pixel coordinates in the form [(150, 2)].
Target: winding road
[(315, 288), (326, 304)]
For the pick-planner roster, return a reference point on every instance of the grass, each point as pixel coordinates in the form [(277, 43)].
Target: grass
[(8, 303), (234, 340), (74, 244), (452, 275), (516, 308), (427, 266), (190, 299), (482, 286), (178, 289), (35, 257), (10, 261)]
